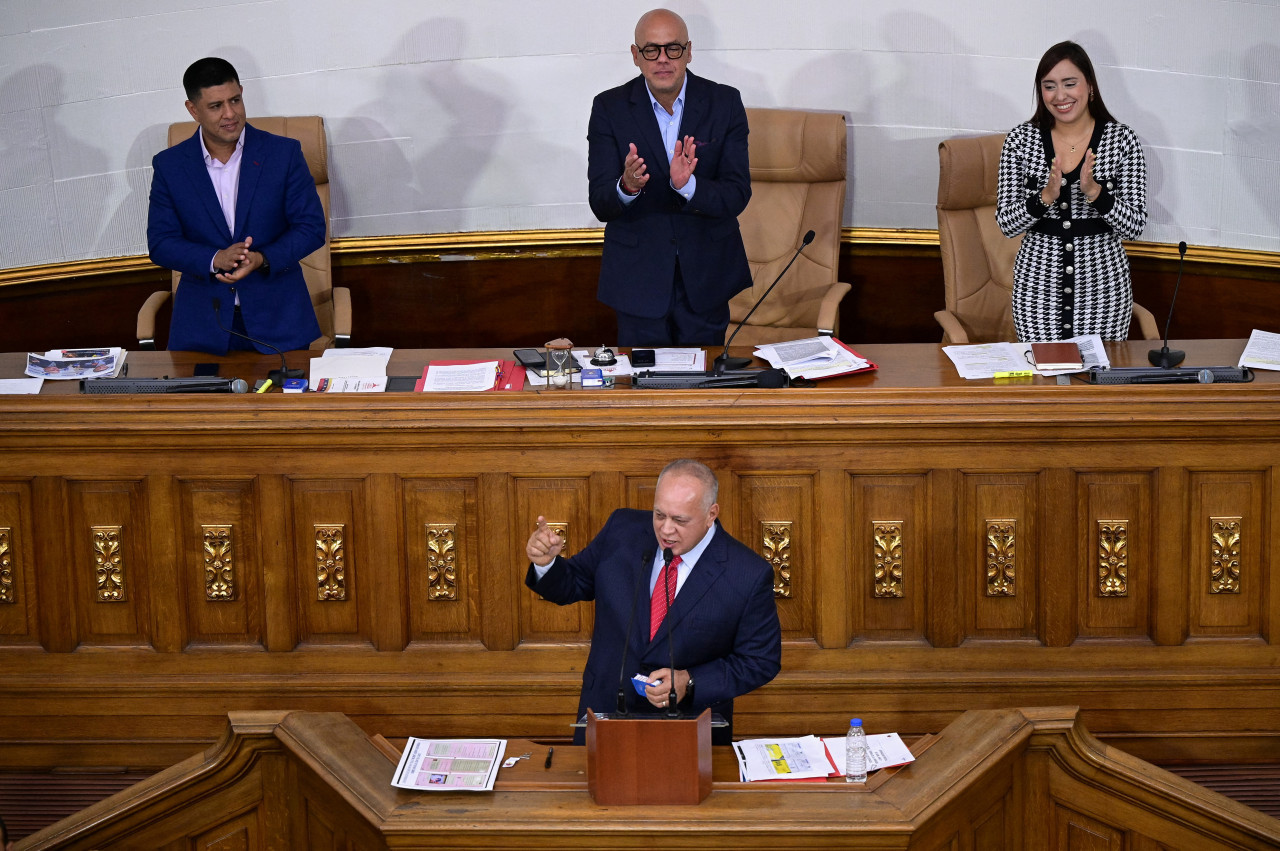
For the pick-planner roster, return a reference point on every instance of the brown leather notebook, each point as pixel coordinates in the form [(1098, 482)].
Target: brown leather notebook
[(1057, 356)]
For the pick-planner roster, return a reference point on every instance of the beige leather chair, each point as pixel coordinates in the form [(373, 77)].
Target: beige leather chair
[(797, 185), (332, 304), (977, 259)]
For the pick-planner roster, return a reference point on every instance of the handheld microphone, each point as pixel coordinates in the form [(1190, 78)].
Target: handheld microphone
[(1163, 357), (646, 561), (769, 378), (723, 361), (1204, 376), (673, 711), (277, 376)]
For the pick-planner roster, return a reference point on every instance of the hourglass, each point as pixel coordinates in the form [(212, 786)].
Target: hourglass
[(559, 365)]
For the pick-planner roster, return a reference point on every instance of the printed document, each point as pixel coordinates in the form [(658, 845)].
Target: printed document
[(802, 758), (984, 360), (468, 765), (1262, 351), (884, 750)]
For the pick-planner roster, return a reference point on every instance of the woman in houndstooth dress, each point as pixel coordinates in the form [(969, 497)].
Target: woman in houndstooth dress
[(1072, 180)]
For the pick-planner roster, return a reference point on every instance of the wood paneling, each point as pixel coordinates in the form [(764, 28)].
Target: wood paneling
[(940, 545), (1000, 779), (524, 296)]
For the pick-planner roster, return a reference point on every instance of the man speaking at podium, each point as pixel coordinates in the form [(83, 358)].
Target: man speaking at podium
[(668, 174), (721, 624), (234, 209)]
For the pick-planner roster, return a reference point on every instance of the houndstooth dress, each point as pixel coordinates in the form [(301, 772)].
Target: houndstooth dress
[(1072, 274)]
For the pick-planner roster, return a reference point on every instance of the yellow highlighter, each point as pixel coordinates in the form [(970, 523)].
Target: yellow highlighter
[(1020, 373), (266, 385)]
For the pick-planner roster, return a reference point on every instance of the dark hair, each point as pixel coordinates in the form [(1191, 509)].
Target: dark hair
[(206, 73), (1073, 52)]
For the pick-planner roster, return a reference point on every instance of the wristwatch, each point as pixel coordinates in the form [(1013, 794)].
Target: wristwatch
[(688, 690), (266, 264)]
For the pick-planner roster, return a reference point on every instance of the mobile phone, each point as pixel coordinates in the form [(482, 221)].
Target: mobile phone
[(643, 357), (203, 369)]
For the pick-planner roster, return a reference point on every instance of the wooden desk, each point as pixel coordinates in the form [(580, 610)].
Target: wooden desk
[(940, 545), (995, 779)]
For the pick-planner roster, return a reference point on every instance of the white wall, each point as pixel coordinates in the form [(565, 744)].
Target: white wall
[(461, 115)]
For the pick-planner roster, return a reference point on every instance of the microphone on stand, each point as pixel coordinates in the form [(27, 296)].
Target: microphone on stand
[(646, 561), (723, 361), (277, 376), (1163, 357), (673, 711)]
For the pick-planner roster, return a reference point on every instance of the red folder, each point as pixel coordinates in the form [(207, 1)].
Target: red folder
[(510, 375)]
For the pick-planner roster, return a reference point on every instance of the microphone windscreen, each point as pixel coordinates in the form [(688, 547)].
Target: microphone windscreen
[(239, 385), (808, 238), (1182, 248), (1206, 376), (772, 378), (667, 555)]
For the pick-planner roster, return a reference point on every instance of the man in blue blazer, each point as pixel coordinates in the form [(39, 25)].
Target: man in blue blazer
[(668, 175), (234, 209), (721, 621)]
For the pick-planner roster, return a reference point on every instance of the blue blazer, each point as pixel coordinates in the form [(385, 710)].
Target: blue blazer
[(642, 239), (725, 620), (276, 204)]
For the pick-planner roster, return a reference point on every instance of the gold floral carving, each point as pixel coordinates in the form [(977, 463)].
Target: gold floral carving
[(331, 563), (775, 542), (1224, 569), (442, 563), (561, 529), (219, 563), (1113, 558), (886, 541), (7, 592), (1001, 565), (108, 560)]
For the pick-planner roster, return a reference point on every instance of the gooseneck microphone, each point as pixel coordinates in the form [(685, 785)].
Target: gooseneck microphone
[(646, 562), (673, 711), (1163, 357), (277, 376), (723, 361)]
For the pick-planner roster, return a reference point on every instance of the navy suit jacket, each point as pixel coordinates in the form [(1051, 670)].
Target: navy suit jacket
[(276, 204), (725, 620), (642, 239)]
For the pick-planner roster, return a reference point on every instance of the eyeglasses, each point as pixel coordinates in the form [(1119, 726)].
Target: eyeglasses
[(674, 50)]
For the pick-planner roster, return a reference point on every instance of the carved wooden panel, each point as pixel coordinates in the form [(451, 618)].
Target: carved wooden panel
[(998, 532), (1074, 831), (563, 502), (887, 570), (442, 557), (17, 584), (774, 520), (333, 601), (240, 833), (109, 533), (1226, 585), (1115, 579), (220, 580)]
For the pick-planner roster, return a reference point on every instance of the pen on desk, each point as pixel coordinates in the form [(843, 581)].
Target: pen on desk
[(550, 751), (266, 385)]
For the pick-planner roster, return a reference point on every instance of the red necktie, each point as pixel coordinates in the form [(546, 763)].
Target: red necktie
[(658, 602)]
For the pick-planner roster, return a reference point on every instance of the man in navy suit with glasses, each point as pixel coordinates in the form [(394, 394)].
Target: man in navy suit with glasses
[(669, 174)]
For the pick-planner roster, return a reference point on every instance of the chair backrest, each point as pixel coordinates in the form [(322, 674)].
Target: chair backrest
[(977, 259), (798, 173), (316, 266)]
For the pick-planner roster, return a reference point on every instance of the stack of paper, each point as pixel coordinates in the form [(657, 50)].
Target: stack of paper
[(1262, 351), (813, 358), (801, 758), (468, 765), (76, 363), (985, 360), (351, 370)]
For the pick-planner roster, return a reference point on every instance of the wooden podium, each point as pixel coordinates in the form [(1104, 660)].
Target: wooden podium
[(649, 760)]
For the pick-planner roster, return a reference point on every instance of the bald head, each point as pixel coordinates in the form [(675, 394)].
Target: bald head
[(665, 19)]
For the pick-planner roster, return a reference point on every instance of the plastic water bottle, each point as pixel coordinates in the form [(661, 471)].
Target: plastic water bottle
[(855, 753)]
